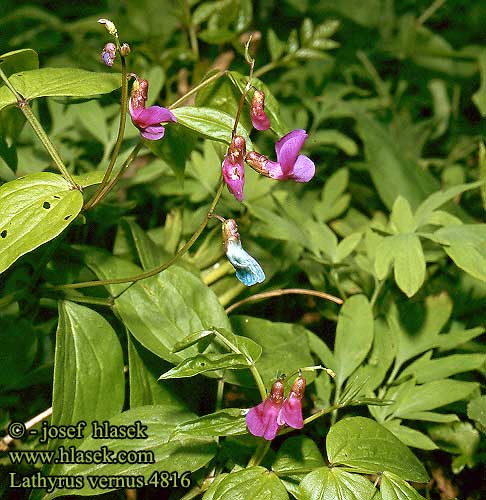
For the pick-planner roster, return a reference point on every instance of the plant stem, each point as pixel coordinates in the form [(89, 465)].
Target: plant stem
[(219, 394), (259, 381), (157, 270), (197, 88), (260, 453), (216, 271), (272, 65), (23, 105), (242, 99), (6, 440), (121, 132), (283, 291), (376, 292), (191, 30)]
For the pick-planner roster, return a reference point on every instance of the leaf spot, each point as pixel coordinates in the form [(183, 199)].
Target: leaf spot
[(3, 234), (67, 217), (46, 205), (57, 197)]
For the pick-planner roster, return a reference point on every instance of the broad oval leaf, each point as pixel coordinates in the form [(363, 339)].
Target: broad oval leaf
[(19, 60), (89, 383), (367, 447), (354, 336), (171, 454), (332, 483), (216, 125), (298, 452), (395, 488), (256, 483), (49, 82), (162, 310), (34, 209), (227, 422)]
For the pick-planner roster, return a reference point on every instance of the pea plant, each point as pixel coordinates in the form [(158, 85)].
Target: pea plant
[(289, 177)]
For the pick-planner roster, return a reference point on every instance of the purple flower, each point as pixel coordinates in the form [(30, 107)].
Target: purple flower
[(257, 111), (289, 164), (291, 411), (147, 120), (108, 55), (233, 167), (261, 420)]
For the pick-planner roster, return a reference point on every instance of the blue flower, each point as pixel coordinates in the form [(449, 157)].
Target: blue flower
[(248, 270)]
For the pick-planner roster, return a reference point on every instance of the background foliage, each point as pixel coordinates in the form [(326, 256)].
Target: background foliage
[(393, 97)]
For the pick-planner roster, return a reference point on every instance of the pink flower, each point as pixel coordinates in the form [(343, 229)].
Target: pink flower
[(291, 411), (233, 167), (257, 111), (265, 419), (147, 120), (108, 55), (289, 164), (261, 420)]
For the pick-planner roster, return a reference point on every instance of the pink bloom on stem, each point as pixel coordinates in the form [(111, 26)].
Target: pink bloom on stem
[(108, 55), (261, 420), (233, 167), (147, 120), (291, 411), (289, 164), (259, 118)]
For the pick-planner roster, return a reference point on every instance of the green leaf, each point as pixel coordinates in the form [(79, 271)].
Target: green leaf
[(391, 172), (89, 383), (434, 395), (469, 258), (479, 97), (428, 370), (210, 123), (174, 455), (354, 336), (89, 178), (395, 488), (256, 483), (19, 60), (202, 363), (275, 46), (333, 138), (367, 447), (401, 217), (298, 452), (49, 82), (409, 436), (346, 246), (451, 340), (35, 209), (227, 422), (333, 483), (476, 410), (162, 310), (285, 348)]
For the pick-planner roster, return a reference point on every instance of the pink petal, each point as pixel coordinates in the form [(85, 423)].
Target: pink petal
[(261, 420), (153, 116), (153, 133), (304, 169), (288, 147), (234, 176), (291, 413), (275, 170), (260, 120)]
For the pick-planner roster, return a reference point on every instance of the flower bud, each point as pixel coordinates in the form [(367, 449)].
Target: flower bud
[(108, 55), (233, 167), (139, 94), (230, 232), (298, 388), (259, 118), (110, 27), (258, 162), (277, 391), (125, 50)]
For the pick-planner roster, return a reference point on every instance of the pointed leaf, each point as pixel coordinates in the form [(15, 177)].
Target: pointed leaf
[(395, 488), (227, 422)]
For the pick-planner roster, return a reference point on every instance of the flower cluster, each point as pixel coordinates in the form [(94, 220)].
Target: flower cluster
[(290, 164), (147, 120), (265, 419)]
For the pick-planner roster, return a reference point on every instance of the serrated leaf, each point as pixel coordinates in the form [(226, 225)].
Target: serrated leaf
[(367, 447), (49, 82), (332, 483), (89, 383), (202, 363), (394, 487), (34, 209), (227, 422), (175, 455), (210, 123), (354, 336)]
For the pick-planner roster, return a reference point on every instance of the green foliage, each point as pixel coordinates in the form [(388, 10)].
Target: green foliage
[(115, 312)]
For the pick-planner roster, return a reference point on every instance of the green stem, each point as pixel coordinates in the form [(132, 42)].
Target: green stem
[(242, 98), (121, 132), (96, 301), (217, 271), (259, 382), (23, 105), (219, 394), (191, 29), (157, 270), (272, 65), (337, 395), (335, 277), (260, 453), (310, 419), (197, 88), (376, 292)]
